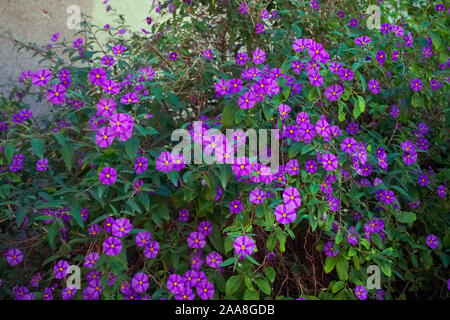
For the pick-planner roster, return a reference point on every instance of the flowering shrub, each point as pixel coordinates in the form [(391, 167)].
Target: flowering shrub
[(362, 180)]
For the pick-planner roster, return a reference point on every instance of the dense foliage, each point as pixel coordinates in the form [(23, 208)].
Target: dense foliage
[(364, 142)]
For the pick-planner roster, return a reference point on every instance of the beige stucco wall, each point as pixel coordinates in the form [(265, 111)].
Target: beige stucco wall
[(36, 20)]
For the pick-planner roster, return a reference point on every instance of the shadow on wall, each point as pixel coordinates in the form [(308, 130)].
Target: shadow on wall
[(35, 21)]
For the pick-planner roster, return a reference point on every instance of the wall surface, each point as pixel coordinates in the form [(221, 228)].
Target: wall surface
[(35, 21)]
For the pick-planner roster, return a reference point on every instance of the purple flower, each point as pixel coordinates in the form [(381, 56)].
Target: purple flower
[(381, 57), (185, 294), (112, 246), (349, 145), (121, 227), (139, 283), (291, 197), (394, 111), (362, 41), (259, 28), (311, 166), (398, 31), (183, 215), (330, 250), (104, 137), (140, 164), (416, 84), (204, 228), (353, 23), (60, 269), (94, 229), (205, 290), (241, 58), (441, 191), (385, 28), (123, 124), (178, 161), (107, 175), (346, 74), (143, 238), (106, 107), (151, 250), (361, 292), (175, 284), (292, 167), (77, 43), (68, 293), (387, 197), (196, 240), (432, 241), (14, 256), (97, 76), (42, 164), (333, 92), (108, 60), (374, 86), (315, 78), (247, 100), (57, 94), (257, 196), (214, 260), (118, 49), (218, 194), (329, 162), (164, 162), (173, 56), (110, 86), (91, 259), (108, 224), (244, 245), (243, 8), (129, 98), (259, 56), (285, 213), (423, 180), (301, 44)]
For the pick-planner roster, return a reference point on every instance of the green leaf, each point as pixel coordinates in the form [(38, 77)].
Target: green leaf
[(157, 92), (356, 111), (264, 285), (20, 216), (252, 260), (362, 104), (9, 152), (228, 115), (417, 100), (337, 286), (363, 81), (436, 39), (131, 146), (67, 153), (251, 295), (270, 273), (406, 217), (228, 262), (52, 234), (234, 283), (341, 112), (330, 263), (38, 147), (297, 30), (294, 149), (271, 241), (342, 268), (76, 214)]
